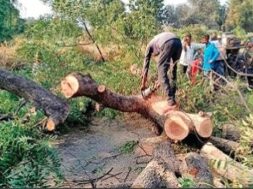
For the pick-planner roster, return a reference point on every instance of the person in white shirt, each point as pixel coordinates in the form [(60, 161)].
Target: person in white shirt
[(187, 55)]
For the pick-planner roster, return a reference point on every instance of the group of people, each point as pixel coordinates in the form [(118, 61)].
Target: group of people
[(192, 57)]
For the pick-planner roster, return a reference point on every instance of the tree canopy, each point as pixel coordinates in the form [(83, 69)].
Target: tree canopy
[(10, 22)]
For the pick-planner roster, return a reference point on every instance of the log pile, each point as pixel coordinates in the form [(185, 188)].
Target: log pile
[(165, 168)]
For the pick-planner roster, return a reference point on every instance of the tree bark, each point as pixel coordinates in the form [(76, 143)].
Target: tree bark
[(147, 146), (194, 166), (54, 107), (76, 84), (227, 167), (160, 172), (227, 146)]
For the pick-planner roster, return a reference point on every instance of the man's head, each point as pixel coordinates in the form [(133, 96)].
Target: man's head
[(205, 39), (188, 38), (214, 37)]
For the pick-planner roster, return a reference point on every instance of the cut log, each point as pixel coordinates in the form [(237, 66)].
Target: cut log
[(227, 167), (227, 146), (54, 107), (177, 125), (202, 125), (196, 167), (231, 132), (160, 172)]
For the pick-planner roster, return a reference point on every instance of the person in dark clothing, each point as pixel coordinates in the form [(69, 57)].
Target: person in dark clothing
[(167, 46)]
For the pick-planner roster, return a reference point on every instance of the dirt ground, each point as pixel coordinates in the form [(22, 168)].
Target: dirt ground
[(93, 159)]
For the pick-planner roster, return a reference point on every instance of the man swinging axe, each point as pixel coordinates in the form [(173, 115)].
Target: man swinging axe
[(166, 46)]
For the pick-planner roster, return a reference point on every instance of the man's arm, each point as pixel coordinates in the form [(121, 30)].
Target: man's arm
[(197, 46), (145, 68)]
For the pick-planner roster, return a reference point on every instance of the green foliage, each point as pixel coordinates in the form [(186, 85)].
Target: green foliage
[(26, 158), (108, 113), (187, 182), (47, 28), (240, 15), (197, 31), (79, 112), (10, 22), (128, 147), (194, 97)]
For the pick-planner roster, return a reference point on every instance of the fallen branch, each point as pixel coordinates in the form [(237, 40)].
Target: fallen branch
[(227, 167), (54, 107), (160, 172), (174, 122), (92, 180), (227, 146)]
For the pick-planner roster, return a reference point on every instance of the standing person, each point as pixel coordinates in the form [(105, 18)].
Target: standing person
[(187, 56), (196, 65), (211, 53), (219, 64), (166, 46)]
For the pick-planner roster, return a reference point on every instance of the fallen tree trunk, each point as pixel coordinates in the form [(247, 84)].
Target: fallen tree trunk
[(177, 124), (227, 167), (165, 167), (54, 107), (227, 146), (160, 172)]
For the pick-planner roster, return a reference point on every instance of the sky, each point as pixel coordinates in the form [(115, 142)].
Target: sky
[(35, 8)]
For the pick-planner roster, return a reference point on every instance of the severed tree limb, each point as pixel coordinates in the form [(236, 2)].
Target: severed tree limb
[(54, 107), (76, 84), (227, 146), (160, 172), (226, 166), (176, 123)]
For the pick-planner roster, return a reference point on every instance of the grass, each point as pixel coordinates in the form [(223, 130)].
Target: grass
[(54, 64), (128, 147)]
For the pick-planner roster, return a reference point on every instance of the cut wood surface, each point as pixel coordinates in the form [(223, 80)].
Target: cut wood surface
[(54, 107), (226, 166), (177, 124), (202, 124)]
